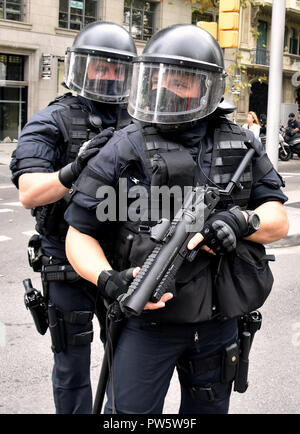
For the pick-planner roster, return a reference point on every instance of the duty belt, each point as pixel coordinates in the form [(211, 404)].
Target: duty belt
[(56, 272)]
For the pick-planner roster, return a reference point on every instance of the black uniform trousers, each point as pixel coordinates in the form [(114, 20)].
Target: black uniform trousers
[(147, 354), (71, 372)]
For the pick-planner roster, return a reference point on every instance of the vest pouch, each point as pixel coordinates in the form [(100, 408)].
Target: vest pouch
[(50, 218), (194, 290), (192, 301), (140, 248), (173, 168), (244, 279)]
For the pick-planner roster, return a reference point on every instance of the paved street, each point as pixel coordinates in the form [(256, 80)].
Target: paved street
[(26, 358)]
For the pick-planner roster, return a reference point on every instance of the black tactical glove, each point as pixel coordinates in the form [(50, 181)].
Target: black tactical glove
[(69, 173), (222, 230), (112, 283)]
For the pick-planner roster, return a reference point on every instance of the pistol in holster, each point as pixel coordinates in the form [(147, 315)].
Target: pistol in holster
[(36, 304), (235, 361)]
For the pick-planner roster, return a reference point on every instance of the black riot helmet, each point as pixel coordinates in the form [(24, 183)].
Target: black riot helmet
[(99, 63), (178, 78)]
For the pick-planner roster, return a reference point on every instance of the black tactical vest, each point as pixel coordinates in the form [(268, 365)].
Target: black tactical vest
[(170, 163), (76, 125)]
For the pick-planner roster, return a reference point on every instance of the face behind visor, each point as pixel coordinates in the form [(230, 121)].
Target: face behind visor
[(179, 77), (98, 66), (99, 78), (169, 94)]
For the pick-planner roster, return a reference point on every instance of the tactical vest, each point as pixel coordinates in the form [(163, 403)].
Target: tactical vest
[(171, 163), (76, 125), (167, 162)]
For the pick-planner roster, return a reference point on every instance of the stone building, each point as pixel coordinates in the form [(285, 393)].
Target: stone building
[(34, 35), (254, 56)]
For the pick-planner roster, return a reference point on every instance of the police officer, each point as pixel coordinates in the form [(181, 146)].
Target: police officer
[(181, 138), (46, 163)]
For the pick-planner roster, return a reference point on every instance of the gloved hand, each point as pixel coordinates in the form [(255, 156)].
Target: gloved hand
[(112, 283), (222, 230), (69, 173)]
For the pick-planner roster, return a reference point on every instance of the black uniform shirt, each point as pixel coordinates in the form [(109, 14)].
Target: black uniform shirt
[(41, 148), (107, 166)]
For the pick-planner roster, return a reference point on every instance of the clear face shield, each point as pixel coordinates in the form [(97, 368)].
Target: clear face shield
[(99, 78), (170, 94)]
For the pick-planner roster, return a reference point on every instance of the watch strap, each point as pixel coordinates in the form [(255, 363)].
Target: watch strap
[(251, 230), (236, 210)]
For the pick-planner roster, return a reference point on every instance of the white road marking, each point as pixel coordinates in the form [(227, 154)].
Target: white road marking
[(289, 174), (293, 250), (6, 186), (12, 203), (29, 233), (4, 238), (6, 210)]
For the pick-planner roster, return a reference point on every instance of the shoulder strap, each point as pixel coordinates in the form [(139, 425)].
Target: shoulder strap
[(262, 164), (75, 124), (63, 100)]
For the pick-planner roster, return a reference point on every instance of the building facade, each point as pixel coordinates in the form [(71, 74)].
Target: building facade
[(34, 35), (254, 59)]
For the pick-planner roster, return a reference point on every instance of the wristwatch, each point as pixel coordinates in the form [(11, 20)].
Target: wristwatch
[(253, 223)]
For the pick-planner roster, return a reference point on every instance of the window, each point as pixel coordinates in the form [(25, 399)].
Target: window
[(294, 42), (197, 16), (75, 15), (286, 31), (11, 67), (13, 96), (261, 43), (139, 18), (12, 9)]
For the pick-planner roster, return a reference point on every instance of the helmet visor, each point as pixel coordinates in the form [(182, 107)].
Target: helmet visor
[(98, 78), (170, 94)]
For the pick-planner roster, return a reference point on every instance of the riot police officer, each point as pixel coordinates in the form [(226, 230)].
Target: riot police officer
[(180, 138), (48, 159)]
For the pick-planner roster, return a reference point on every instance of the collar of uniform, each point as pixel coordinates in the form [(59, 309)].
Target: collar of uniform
[(107, 112), (191, 136)]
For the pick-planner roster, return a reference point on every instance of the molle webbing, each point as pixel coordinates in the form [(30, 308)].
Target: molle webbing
[(75, 125), (175, 162), (79, 131), (228, 150), (73, 122)]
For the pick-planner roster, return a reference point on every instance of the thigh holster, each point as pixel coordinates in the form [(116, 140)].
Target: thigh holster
[(57, 326), (226, 361)]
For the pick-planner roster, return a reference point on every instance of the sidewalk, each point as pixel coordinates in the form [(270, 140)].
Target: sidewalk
[(292, 206), (5, 152)]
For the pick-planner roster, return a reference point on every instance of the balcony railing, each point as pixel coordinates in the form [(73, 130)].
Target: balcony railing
[(260, 56)]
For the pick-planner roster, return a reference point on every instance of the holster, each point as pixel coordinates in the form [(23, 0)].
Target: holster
[(59, 337)]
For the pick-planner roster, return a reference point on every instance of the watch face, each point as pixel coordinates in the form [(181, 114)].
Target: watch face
[(254, 221)]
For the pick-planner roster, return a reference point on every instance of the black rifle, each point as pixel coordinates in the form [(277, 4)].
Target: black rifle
[(158, 272), (159, 269)]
